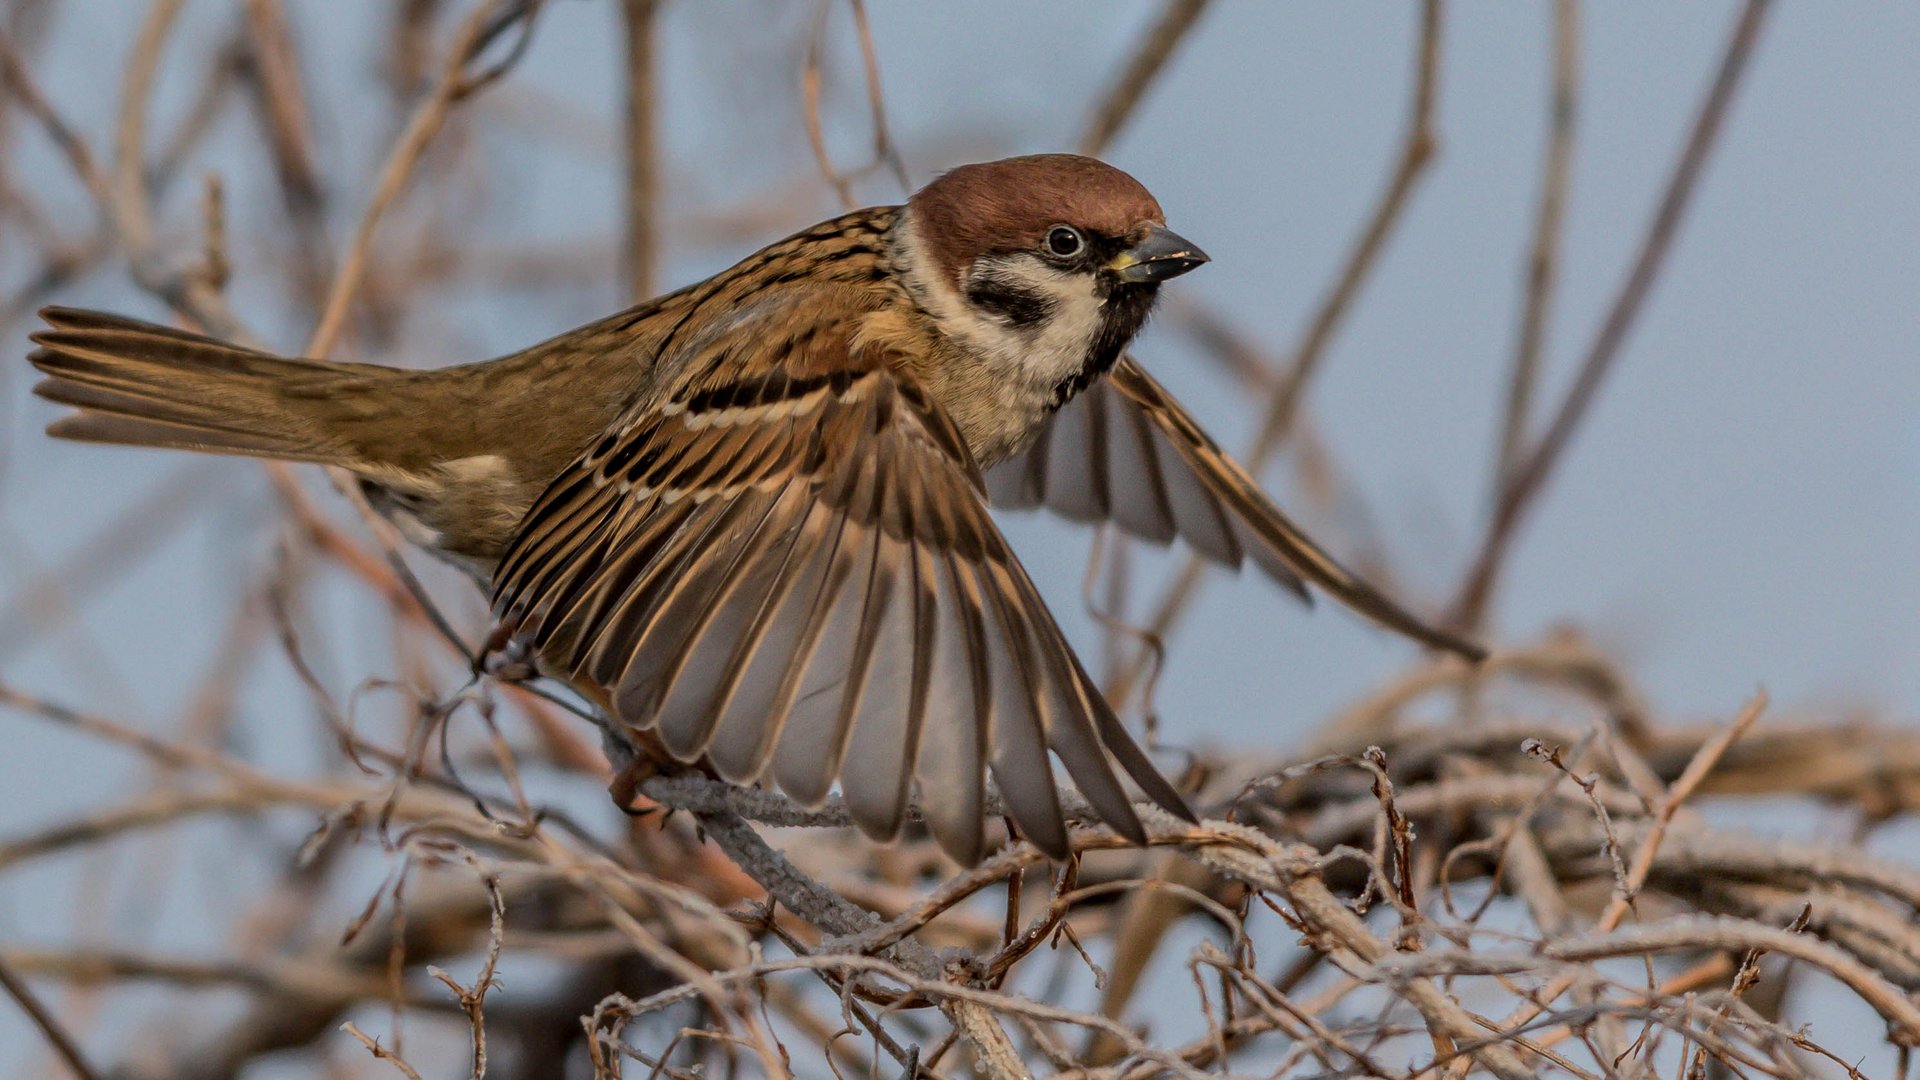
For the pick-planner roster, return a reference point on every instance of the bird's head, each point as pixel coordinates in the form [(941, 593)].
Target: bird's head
[(1048, 264)]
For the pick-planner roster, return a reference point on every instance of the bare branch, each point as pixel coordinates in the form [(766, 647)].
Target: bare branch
[(1150, 55), (1530, 474), (57, 1036)]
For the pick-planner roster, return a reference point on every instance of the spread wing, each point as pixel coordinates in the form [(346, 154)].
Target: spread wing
[(795, 576), (1125, 451)]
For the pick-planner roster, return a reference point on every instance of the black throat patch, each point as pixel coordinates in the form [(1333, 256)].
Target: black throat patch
[(1126, 311)]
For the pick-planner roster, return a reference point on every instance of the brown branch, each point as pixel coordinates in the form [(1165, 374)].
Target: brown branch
[(1149, 58), (1684, 933), (1416, 152), (293, 978), (19, 83), (272, 71), (1544, 261), (56, 1035), (1294, 871), (639, 18), (1522, 486), (146, 812), (885, 153), (453, 83), (1644, 854), (411, 45), (820, 906), (381, 1053), (143, 66), (283, 104), (1230, 849)]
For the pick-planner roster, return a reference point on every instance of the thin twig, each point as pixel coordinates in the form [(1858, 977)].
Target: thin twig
[(1635, 877), (885, 152), (1148, 59), (1417, 149), (639, 19), (1529, 477), (452, 84), (21, 87), (821, 907), (63, 1044), (1543, 262), (380, 1053), (272, 71), (283, 104)]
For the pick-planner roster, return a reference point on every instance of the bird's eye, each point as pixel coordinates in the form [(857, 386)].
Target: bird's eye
[(1064, 242)]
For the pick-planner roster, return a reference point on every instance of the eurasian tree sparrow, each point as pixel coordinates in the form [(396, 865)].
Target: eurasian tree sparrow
[(751, 516)]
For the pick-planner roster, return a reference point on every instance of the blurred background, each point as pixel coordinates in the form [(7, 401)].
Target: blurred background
[(1739, 507)]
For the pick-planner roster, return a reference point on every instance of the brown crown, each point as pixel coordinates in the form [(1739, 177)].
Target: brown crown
[(1010, 204)]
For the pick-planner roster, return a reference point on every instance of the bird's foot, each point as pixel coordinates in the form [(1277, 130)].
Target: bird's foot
[(625, 787), (505, 657)]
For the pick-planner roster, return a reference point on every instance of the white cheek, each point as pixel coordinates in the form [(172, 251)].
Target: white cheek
[(1037, 356), (1058, 346), (1054, 348)]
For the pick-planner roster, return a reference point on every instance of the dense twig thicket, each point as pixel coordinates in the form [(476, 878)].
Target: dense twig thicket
[(1473, 871)]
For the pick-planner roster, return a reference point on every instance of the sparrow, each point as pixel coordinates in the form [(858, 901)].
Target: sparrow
[(750, 518)]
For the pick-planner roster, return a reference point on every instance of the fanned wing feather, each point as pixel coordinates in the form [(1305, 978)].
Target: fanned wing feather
[(1124, 450), (953, 746), (795, 576)]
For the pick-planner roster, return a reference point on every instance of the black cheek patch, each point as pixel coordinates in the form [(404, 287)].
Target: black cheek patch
[(1021, 308)]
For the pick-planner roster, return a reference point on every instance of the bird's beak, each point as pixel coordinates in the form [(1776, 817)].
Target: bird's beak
[(1160, 255)]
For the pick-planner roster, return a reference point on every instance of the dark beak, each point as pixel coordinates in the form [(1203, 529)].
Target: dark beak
[(1160, 255)]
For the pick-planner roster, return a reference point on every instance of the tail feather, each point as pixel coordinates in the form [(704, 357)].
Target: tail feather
[(146, 385), (123, 430)]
